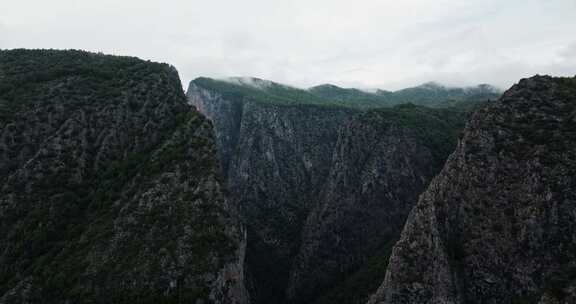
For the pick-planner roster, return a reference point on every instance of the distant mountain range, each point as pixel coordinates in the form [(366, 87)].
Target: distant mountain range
[(429, 94)]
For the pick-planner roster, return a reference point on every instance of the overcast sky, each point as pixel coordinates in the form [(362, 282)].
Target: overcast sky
[(362, 43)]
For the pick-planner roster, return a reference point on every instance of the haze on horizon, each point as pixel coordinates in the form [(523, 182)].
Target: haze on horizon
[(364, 43)]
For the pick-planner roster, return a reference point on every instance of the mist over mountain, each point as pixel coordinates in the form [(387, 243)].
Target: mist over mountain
[(429, 94)]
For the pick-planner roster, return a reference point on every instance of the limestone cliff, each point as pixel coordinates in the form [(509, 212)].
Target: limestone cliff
[(277, 157)]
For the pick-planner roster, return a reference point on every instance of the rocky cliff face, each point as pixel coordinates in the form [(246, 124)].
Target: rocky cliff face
[(382, 161), (225, 114), (322, 188), (109, 186), (497, 225), (277, 157)]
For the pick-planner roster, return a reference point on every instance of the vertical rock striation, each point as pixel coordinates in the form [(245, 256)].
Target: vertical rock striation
[(323, 188), (277, 157), (382, 161)]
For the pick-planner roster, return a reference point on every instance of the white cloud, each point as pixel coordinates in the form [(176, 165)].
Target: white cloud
[(367, 43)]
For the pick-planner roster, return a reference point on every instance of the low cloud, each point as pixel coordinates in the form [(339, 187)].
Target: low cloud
[(364, 43)]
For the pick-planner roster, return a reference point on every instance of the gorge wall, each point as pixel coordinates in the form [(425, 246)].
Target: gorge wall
[(321, 187), (277, 157), (110, 189), (382, 161), (497, 225), (116, 187)]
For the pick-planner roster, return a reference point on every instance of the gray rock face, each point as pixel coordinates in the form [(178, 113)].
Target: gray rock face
[(278, 157), (225, 114), (370, 189), (321, 188), (109, 186), (497, 225), (383, 160)]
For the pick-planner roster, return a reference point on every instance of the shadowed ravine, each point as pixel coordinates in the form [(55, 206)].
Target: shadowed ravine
[(117, 187)]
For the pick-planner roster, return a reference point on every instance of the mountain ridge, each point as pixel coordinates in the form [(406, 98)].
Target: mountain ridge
[(110, 189), (496, 225), (116, 186), (332, 95)]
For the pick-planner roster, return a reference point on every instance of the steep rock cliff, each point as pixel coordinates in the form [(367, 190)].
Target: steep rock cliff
[(323, 187), (109, 186), (277, 154), (382, 161), (497, 225)]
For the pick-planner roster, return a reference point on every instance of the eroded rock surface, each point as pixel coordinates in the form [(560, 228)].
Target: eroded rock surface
[(382, 162), (323, 188), (277, 158), (497, 225)]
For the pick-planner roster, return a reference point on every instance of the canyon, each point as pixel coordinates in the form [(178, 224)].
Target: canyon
[(118, 187)]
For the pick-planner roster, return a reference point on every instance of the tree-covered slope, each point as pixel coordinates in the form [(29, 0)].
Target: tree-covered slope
[(354, 97), (429, 94), (436, 95), (109, 186), (497, 224), (261, 91), (264, 91)]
